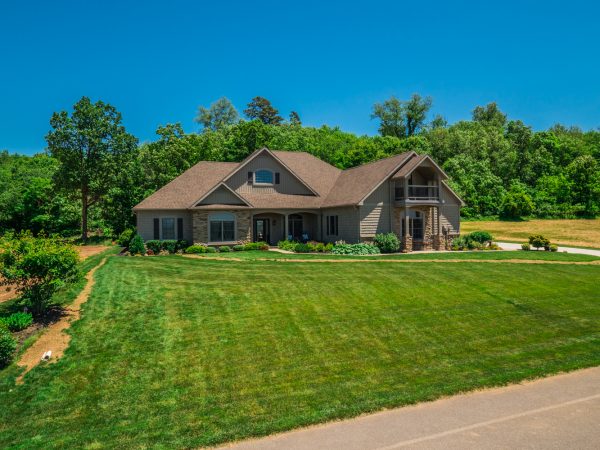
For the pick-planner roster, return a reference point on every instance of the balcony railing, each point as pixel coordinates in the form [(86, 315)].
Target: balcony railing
[(418, 192)]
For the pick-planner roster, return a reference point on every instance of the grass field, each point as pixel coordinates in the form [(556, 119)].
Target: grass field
[(579, 233), (176, 352)]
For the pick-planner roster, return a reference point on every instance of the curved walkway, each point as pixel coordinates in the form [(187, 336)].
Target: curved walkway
[(562, 411)]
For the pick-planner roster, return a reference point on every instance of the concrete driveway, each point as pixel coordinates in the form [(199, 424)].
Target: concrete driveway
[(580, 251), (552, 413)]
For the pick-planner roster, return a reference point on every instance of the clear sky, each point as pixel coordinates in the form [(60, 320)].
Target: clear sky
[(330, 61)]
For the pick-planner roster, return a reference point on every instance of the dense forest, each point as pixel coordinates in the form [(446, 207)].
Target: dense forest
[(93, 167)]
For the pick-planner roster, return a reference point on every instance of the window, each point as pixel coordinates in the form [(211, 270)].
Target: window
[(295, 226), (263, 176), (332, 225), (221, 227), (168, 228)]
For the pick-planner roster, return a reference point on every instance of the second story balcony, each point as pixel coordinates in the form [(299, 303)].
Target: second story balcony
[(417, 193)]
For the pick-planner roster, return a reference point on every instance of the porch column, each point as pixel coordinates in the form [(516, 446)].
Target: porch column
[(407, 244), (438, 243), (405, 189), (287, 233)]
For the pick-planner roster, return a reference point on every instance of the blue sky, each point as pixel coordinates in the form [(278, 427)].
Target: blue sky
[(330, 61)]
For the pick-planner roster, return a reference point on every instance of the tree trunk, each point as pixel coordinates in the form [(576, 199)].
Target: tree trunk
[(84, 214)]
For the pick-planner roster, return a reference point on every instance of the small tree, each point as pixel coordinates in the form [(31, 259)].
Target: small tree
[(219, 115), (260, 108), (295, 119), (38, 267), (538, 241)]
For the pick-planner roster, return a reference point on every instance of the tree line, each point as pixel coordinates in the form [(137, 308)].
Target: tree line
[(94, 171)]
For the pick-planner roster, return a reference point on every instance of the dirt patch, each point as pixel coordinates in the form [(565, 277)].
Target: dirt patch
[(7, 292), (323, 260), (54, 338)]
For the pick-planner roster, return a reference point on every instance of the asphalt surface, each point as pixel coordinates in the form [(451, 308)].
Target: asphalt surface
[(559, 412)]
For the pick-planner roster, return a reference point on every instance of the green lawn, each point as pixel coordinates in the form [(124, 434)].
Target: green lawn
[(176, 352), (479, 255)]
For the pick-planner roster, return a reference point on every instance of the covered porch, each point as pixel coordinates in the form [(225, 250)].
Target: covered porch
[(275, 226), (419, 228)]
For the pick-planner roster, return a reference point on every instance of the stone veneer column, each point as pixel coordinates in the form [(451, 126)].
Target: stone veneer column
[(428, 228), (200, 227), (244, 226)]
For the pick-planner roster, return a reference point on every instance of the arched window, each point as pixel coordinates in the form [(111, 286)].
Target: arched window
[(221, 227), (263, 176)]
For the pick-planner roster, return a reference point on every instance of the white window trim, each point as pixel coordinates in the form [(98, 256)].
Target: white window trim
[(162, 237), (256, 183), (210, 217)]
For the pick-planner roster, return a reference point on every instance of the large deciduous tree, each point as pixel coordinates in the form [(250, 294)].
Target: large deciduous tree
[(402, 118), (218, 115), (261, 109), (489, 114), (91, 146)]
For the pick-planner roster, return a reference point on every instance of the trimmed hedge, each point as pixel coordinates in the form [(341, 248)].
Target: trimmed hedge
[(355, 249)]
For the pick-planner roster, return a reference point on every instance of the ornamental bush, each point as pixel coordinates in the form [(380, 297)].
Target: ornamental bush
[(287, 245), (224, 249), (538, 241), (387, 242), (154, 246), (136, 246), (526, 246), (125, 237), (211, 250), (238, 248), (302, 248), (553, 247), (8, 345), (196, 249), (17, 321), (483, 237), (355, 249), (256, 246), (38, 266)]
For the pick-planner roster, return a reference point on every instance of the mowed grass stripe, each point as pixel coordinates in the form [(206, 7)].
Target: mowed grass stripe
[(175, 352)]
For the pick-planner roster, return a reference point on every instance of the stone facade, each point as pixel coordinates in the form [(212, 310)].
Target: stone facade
[(243, 220), (430, 241)]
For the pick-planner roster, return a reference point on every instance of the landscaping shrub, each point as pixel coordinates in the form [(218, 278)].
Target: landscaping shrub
[(38, 267), (238, 248), (553, 247), (196, 249), (538, 241), (211, 250), (525, 246), (136, 246), (224, 248), (170, 245), (256, 246), (387, 242), (182, 245), (8, 345), (328, 247), (125, 237), (153, 246), (342, 248), (17, 321), (483, 237), (302, 248), (287, 245)]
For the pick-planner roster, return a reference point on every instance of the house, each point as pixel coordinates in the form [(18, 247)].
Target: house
[(274, 195)]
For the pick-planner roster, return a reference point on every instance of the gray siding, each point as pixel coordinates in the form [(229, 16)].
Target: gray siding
[(221, 196), (375, 212), (289, 184), (145, 222), (449, 211), (348, 224)]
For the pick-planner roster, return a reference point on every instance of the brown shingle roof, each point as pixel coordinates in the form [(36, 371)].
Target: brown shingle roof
[(188, 187), (315, 172), (334, 186), (355, 184)]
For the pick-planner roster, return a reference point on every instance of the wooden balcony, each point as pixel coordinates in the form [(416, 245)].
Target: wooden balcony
[(417, 194)]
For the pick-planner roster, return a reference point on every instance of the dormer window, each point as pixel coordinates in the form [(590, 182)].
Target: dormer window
[(264, 177)]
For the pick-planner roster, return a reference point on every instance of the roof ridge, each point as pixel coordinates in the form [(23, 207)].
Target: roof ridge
[(378, 160)]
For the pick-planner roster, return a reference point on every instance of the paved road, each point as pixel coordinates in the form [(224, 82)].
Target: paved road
[(559, 412), (581, 251)]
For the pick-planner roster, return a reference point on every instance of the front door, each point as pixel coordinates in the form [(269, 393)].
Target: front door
[(262, 230)]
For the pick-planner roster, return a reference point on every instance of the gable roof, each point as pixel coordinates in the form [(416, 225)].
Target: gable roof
[(227, 189), (187, 187), (332, 187), (272, 154), (410, 167), (353, 185)]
